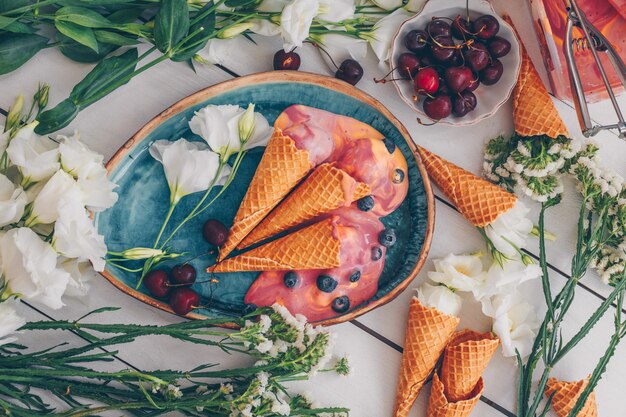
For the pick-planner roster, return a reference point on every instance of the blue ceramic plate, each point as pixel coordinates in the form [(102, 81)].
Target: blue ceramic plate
[(144, 195)]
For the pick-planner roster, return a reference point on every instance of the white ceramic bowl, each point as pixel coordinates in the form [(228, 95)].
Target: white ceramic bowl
[(489, 97)]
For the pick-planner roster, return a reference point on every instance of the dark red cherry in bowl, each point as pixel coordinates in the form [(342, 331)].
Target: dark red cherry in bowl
[(183, 274), (498, 47), (463, 103), (438, 107), (438, 27), (477, 57), (474, 83), (183, 300), (486, 27), (461, 28), (158, 283), (416, 41), (426, 81), (350, 71), (458, 78), (286, 60), (442, 48), (492, 72), (408, 64)]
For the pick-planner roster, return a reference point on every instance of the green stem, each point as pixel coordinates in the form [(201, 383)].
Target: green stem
[(167, 219), (545, 279)]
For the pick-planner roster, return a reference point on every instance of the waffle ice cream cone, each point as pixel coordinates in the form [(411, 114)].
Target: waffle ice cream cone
[(478, 200), (566, 395), (464, 360), (427, 332), (314, 247), (283, 165), (534, 112), (440, 406), (326, 189)]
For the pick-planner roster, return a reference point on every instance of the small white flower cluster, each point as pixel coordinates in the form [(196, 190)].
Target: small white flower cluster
[(529, 166), (497, 289), (48, 186), (261, 394), (610, 263)]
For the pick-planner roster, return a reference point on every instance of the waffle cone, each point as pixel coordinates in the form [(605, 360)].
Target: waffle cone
[(427, 332), (326, 189), (440, 406), (283, 165), (478, 200), (314, 247), (534, 112), (566, 395), (464, 360)]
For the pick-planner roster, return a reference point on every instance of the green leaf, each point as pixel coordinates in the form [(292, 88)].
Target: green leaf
[(6, 21), (19, 27), (200, 39), (80, 34), (171, 24), (80, 53), (56, 118), (17, 48), (103, 75), (113, 38), (238, 3), (125, 15), (7, 5), (81, 16)]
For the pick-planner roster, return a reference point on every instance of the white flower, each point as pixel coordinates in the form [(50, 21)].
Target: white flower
[(506, 278), (295, 22), (234, 31), (439, 297), (514, 321), (189, 166), (336, 10), (4, 139), (97, 190), (36, 157), (339, 48), (217, 51), (510, 228), (76, 237), (273, 6), (45, 209), (76, 158), (461, 272), (219, 127), (388, 4), (12, 202), (264, 27), (415, 5), (280, 406), (78, 285), (382, 33), (30, 268), (9, 322)]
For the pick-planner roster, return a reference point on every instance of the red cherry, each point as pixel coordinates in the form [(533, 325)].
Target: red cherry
[(158, 283), (408, 65), (443, 48), (474, 83), (486, 27), (499, 47), (477, 56), (458, 78), (463, 103), (215, 232), (416, 41), (426, 81), (183, 300), (184, 274), (461, 28), (492, 72), (350, 71), (286, 60), (438, 27), (438, 107)]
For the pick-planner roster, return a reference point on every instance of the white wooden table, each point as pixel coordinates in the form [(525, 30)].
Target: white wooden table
[(374, 341)]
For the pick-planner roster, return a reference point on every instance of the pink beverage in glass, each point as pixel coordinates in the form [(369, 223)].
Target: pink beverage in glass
[(550, 19)]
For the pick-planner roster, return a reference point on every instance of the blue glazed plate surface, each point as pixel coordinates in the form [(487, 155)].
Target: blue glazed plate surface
[(144, 195)]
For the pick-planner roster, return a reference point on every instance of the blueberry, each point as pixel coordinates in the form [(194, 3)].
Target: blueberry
[(389, 145), (387, 237), (290, 279), (366, 203), (377, 253), (249, 309), (341, 304), (356, 275), (398, 176), (326, 283)]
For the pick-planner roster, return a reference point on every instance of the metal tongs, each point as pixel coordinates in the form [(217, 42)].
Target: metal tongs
[(596, 42)]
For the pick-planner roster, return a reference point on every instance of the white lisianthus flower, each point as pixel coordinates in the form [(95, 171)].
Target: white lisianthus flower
[(388, 4), (440, 297), (461, 272), (79, 273), (45, 209), (9, 321), (76, 237), (381, 35), (36, 157), (273, 6), (504, 279), (97, 190), (189, 166), (216, 51), (295, 22), (76, 158), (12, 202), (415, 5), (510, 230), (4, 139), (30, 268), (264, 27), (339, 48), (336, 10), (219, 126), (514, 321)]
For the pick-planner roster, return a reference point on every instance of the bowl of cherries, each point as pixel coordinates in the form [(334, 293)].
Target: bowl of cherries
[(455, 64)]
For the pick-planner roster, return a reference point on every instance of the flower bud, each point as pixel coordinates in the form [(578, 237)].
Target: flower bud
[(246, 124), (235, 30), (15, 113), (141, 253), (41, 96)]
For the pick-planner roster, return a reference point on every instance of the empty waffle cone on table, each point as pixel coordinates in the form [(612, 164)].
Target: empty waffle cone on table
[(440, 406), (565, 395), (428, 330)]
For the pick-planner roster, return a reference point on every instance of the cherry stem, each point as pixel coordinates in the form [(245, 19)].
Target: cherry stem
[(318, 46), (426, 124)]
